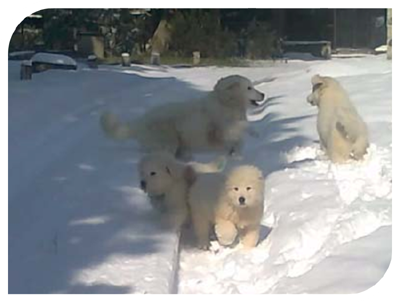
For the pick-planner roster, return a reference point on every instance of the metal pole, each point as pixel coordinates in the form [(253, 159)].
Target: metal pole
[(334, 29)]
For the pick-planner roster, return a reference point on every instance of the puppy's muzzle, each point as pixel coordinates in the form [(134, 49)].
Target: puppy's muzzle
[(143, 185), (311, 100), (242, 200)]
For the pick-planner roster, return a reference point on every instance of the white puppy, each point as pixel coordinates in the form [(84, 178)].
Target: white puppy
[(167, 180), (232, 202), (215, 122), (342, 132)]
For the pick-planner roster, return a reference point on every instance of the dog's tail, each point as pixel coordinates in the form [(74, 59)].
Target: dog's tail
[(360, 148), (114, 128), (216, 165)]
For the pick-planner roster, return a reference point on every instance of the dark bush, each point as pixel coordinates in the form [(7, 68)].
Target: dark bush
[(261, 40), (200, 30)]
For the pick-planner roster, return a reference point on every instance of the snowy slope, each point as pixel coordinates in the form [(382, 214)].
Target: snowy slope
[(79, 224)]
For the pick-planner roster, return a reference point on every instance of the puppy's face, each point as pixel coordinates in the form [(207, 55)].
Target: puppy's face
[(160, 171), (245, 187), (237, 90), (155, 176), (318, 84)]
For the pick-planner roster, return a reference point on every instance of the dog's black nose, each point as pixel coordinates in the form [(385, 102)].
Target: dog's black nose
[(143, 185), (241, 200)]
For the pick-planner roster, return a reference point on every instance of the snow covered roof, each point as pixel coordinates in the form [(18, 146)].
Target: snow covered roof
[(50, 58), (21, 54), (305, 42), (35, 16)]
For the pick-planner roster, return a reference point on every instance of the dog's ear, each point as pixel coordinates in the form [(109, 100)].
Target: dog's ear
[(225, 84), (317, 79), (317, 82), (231, 86), (175, 169), (219, 85), (226, 91)]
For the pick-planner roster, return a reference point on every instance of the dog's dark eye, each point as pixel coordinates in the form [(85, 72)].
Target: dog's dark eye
[(236, 188), (249, 88), (153, 173), (248, 188)]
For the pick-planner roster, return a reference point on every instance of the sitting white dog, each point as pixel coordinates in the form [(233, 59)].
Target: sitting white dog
[(215, 122), (342, 132)]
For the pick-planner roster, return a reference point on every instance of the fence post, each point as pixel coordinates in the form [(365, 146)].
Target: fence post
[(125, 59), (155, 58), (326, 51), (196, 57), (26, 70), (92, 61)]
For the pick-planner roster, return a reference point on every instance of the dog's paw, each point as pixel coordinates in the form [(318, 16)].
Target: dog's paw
[(215, 247), (205, 246)]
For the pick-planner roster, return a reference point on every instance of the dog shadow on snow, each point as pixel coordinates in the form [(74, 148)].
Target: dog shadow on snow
[(69, 235), (86, 216), (276, 136)]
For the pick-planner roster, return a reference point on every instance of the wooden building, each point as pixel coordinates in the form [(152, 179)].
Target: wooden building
[(345, 28)]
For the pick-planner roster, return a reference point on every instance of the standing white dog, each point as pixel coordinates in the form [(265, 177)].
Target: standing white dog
[(217, 121), (342, 132)]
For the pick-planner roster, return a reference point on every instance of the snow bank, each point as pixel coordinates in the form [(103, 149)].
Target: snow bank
[(50, 58)]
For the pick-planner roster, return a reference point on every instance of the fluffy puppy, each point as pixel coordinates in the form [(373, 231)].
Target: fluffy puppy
[(233, 203), (342, 132), (215, 122), (167, 180)]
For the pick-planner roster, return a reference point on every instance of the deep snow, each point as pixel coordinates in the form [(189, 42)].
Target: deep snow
[(327, 227), (79, 223)]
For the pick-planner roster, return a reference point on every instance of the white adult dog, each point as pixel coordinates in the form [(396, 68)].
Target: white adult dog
[(215, 122), (342, 132)]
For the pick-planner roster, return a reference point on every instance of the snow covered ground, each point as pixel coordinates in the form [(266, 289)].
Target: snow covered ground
[(79, 224), (327, 227)]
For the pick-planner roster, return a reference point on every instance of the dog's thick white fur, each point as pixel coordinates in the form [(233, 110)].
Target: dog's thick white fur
[(167, 180), (233, 203), (342, 132), (215, 122)]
